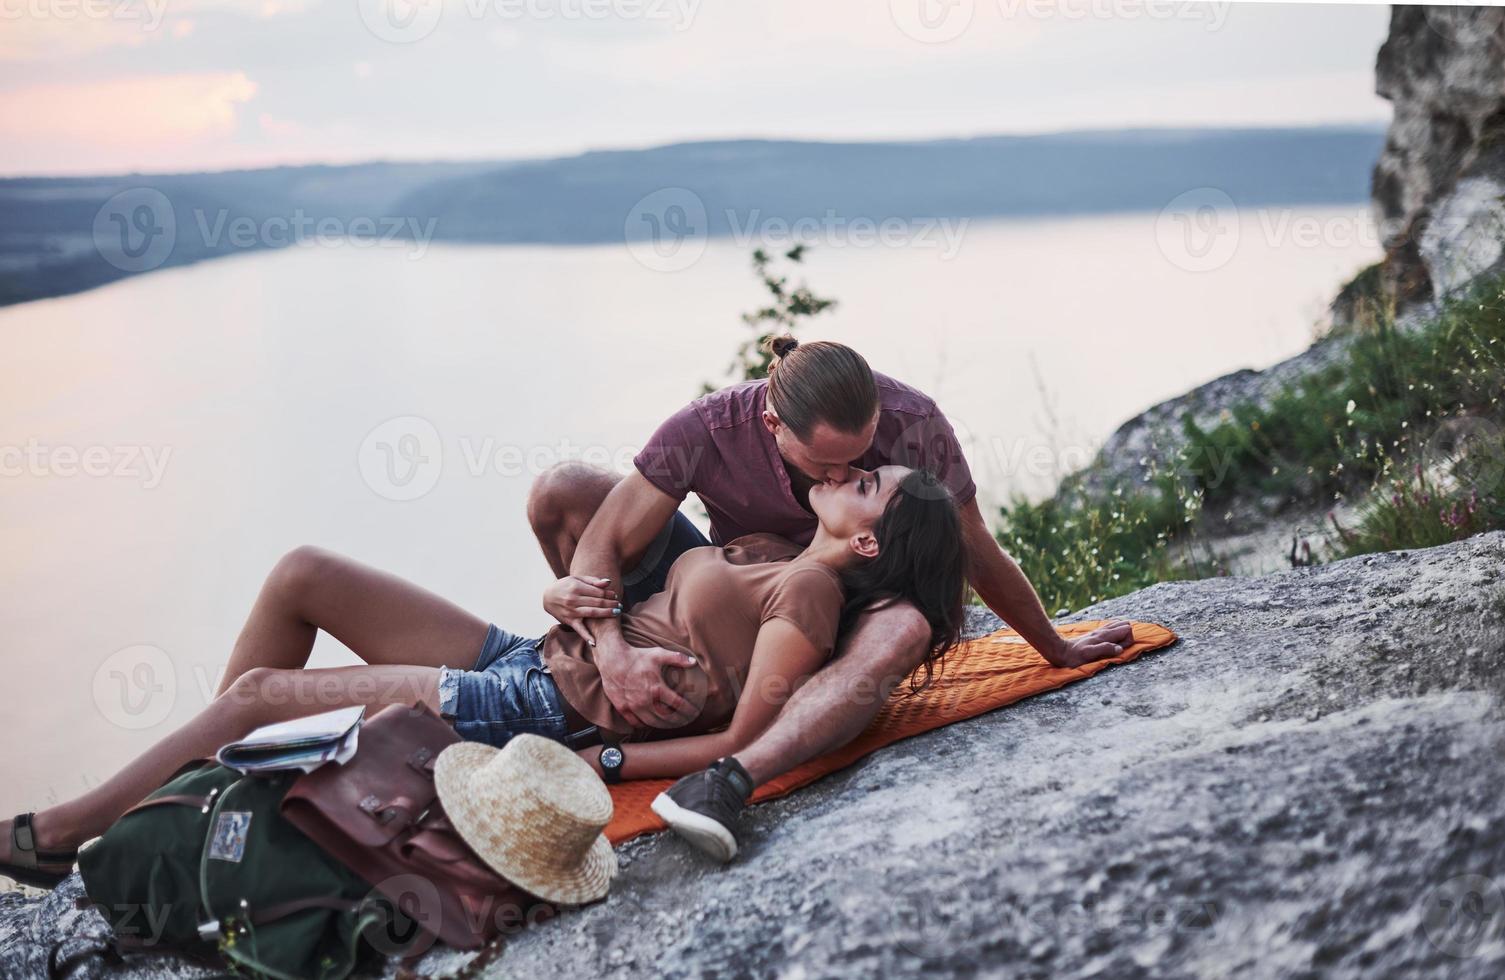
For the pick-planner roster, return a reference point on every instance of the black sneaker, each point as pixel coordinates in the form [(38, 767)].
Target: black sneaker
[(703, 806)]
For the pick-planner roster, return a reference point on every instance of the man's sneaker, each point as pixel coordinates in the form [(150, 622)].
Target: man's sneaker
[(703, 806)]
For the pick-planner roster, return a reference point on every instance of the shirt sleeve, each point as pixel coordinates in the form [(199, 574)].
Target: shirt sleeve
[(944, 458), (810, 599), (675, 454), (928, 442)]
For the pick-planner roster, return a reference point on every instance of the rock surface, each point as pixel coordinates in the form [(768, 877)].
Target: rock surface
[(1307, 784), (1438, 199), (1438, 183)]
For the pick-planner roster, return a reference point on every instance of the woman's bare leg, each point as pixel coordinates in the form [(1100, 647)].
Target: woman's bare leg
[(382, 618), (260, 696)]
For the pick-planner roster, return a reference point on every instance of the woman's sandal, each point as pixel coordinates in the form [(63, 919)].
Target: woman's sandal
[(25, 859)]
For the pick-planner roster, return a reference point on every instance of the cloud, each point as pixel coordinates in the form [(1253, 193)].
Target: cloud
[(122, 117)]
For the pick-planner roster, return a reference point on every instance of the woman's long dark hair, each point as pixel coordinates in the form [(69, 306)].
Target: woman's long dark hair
[(921, 560)]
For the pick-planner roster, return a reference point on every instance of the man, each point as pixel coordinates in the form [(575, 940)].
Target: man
[(751, 452)]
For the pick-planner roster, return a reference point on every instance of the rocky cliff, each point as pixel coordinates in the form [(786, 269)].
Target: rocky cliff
[(1438, 198), (1439, 182), (1307, 784)]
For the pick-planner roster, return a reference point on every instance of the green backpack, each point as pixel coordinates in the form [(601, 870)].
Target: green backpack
[(207, 864)]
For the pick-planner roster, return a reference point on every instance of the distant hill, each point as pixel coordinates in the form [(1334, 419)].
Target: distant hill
[(61, 235)]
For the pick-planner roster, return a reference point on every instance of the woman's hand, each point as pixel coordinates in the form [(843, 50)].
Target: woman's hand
[(576, 598)]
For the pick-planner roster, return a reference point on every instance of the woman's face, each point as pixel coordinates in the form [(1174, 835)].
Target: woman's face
[(849, 510)]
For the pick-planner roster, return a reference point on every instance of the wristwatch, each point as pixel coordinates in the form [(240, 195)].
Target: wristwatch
[(611, 763)]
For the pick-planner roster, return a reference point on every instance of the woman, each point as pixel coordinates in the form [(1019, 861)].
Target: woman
[(757, 616)]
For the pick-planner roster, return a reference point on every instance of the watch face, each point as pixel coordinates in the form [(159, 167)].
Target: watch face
[(611, 758)]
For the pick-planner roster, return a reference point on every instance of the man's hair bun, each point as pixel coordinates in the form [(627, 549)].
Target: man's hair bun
[(780, 346)]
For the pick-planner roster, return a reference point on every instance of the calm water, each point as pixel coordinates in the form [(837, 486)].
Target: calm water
[(165, 439)]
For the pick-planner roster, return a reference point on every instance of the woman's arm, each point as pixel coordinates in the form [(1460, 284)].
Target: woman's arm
[(783, 658)]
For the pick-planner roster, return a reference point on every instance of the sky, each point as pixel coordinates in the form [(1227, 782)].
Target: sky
[(112, 86)]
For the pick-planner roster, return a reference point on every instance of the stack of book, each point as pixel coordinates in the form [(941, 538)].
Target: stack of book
[(303, 743)]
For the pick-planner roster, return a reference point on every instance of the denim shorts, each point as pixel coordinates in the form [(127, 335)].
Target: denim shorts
[(509, 691), (652, 573)]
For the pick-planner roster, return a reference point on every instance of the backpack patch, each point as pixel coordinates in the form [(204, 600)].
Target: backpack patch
[(229, 840)]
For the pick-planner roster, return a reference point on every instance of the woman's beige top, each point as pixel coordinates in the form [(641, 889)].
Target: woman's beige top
[(712, 607)]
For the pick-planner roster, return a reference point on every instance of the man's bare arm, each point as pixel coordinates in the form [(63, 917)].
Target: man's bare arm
[(1001, 584), (632, 677)]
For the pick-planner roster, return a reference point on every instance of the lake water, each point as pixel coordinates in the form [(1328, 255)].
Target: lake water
[(164, 439)]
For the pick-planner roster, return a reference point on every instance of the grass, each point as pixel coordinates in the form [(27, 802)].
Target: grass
[(1078, 549), (1411, 421)]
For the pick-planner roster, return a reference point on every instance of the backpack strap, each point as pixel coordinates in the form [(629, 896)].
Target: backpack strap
[(278, 910)]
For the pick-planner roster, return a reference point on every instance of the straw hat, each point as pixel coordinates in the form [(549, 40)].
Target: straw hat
[(534, 811)]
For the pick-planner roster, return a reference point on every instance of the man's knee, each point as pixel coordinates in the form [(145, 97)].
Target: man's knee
[(894, 639), (567, 493)]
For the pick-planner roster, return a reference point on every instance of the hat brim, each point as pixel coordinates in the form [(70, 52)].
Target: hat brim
[(567, 884)]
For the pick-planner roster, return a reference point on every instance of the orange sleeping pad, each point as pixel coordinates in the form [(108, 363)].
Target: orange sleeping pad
[(980, 675)]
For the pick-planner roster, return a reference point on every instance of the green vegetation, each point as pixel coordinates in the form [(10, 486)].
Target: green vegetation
[(1410, 419), (789, 307), (1078, 549)]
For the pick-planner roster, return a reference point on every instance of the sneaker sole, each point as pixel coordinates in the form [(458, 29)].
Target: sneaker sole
[(704, 833)]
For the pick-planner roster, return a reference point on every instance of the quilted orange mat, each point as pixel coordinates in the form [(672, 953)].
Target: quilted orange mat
[(980, 675)]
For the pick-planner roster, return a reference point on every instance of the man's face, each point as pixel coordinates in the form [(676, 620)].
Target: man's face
[(827, 456)]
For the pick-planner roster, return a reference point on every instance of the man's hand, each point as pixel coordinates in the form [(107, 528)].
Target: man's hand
[(575, 598), (1101, 643), (633, 680)]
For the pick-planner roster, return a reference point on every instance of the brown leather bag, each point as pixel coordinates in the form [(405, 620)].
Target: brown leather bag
[(379, 815)]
